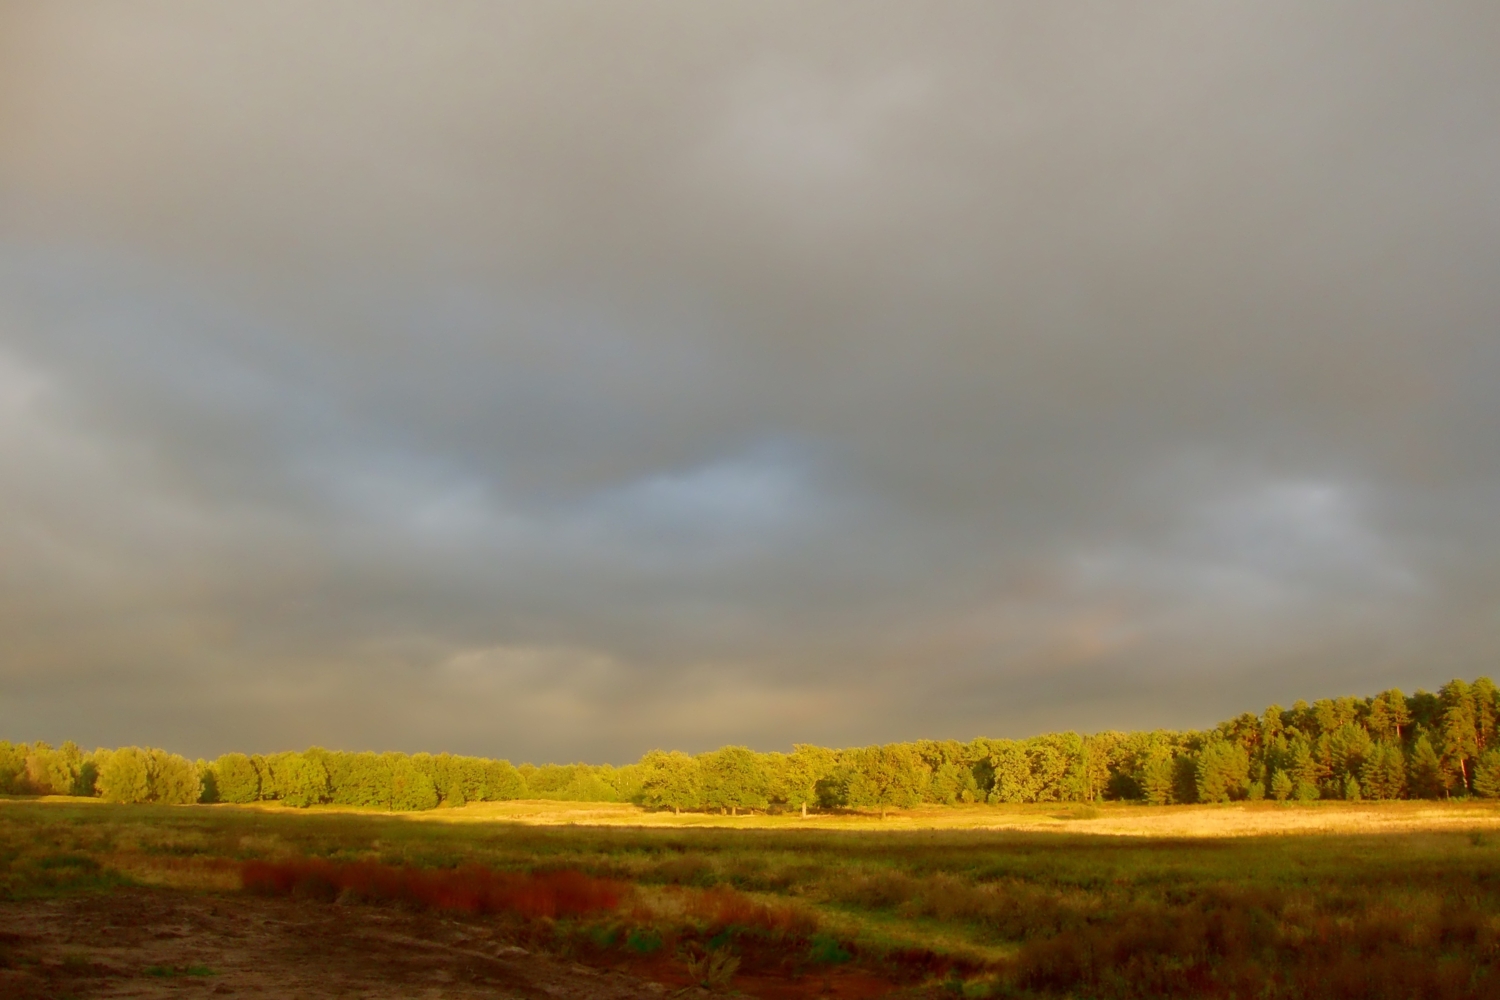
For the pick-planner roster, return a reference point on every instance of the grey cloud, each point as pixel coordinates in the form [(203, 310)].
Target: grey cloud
[(563, 381)]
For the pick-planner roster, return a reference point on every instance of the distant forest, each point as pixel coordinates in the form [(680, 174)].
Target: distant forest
[(1390, 746)]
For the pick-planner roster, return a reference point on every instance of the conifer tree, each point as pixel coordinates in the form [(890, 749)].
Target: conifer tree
[(1157, 781), (1388, 716), (1384, 773), (1223, 772), (1487, 774), (1460, 733), (1425, 774)]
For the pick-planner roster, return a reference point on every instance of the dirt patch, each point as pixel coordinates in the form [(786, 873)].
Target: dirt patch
[(165, 943), (156, 942)]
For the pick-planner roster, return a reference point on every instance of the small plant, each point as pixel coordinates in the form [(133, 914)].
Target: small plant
[(713, 969), (826, 950), (643, 940), (1084, 812)]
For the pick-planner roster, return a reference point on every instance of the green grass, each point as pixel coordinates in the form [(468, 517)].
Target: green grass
[(171, 971), (1430, 898)]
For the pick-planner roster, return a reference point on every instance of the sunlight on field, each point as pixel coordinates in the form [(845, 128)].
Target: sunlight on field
[(1106, 819), (996, 892), (1113, 819)]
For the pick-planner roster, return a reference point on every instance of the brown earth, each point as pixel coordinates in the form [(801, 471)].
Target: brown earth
[(152, 942)]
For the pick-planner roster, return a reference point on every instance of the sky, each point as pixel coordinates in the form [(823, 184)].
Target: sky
[(557, 381)]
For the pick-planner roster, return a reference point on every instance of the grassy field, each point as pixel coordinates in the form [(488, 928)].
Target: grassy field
[(1332, 899)]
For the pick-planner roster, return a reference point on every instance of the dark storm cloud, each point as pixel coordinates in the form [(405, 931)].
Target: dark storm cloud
[(566, 380)]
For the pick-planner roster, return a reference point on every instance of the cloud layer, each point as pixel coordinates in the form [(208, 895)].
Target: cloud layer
[(565, 381)]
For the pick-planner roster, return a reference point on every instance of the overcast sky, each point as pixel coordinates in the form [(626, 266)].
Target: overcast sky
[(561, 380)]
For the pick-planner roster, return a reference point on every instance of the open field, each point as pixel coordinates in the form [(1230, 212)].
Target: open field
[(1114, 819), (1335, 899)]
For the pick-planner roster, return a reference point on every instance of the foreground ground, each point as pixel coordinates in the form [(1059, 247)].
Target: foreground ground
[(1400, 900), (141, 942)]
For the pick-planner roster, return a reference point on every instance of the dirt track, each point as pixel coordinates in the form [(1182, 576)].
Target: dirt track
[(164, 943)]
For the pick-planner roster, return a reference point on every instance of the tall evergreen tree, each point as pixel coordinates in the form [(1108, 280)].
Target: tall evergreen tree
[(1459, 733), (1223, 772), (1426, 776), (1388, 716)]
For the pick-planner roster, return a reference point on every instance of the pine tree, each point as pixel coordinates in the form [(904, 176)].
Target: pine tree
[(1487, 774), (1223, 772), (1157, 780), (1384, 773), (1460, 733), (1428, 779)]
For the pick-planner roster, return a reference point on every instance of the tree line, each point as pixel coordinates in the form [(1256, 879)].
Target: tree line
[(1390, 746)]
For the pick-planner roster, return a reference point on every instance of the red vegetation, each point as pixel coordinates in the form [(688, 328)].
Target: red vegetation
[(723, 907), (469, 889)]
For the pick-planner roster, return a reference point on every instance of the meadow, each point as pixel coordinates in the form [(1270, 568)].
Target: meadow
[(1324, 899)]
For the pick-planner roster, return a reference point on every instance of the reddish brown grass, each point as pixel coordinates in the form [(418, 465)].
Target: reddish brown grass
[(723, 907), (469, 889)]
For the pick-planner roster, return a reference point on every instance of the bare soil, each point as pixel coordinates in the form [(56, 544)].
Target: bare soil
[(168, 943), (154, 942)]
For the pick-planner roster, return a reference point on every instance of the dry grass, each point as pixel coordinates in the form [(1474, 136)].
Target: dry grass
[(1243, 819), (1112, 900)]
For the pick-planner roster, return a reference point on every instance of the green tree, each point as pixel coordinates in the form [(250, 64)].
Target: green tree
[(1384, 773), (411, 789), (265, 778), (1350, 746), (1459, 734), (1059, 767), (885, 776), (671, 780), (1487, 774), (502, 781), (171, 779), (302, 779), (12, 768), (1427, 777), (1388, 716), (1305, 769), (1486, 713), (1158, 781), (805, 767), (1282, 786), (208, 781), (733, 778), (238, 779), (1222, 772), (124, 775), (952, 784)]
